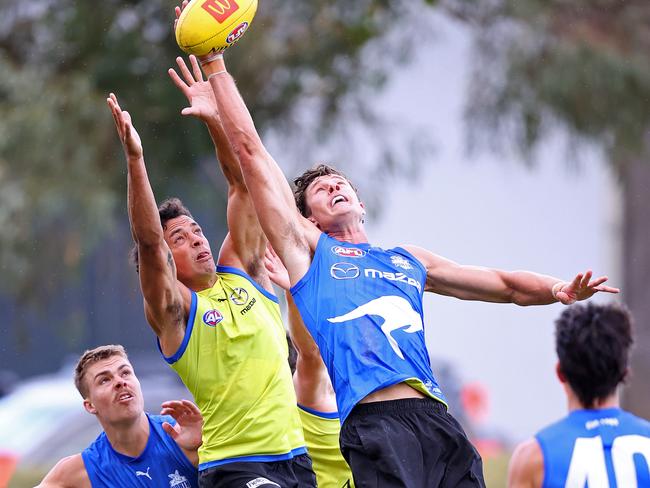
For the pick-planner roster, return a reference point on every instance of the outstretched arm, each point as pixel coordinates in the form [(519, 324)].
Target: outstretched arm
[(166, 300), (245, 244), (70, 472), (492, 285), (292, 236), (187, 430), (526, 468)]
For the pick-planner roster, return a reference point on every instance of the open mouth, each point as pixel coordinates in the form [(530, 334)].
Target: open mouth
[(124, 397), (203, 256), (337, 199)]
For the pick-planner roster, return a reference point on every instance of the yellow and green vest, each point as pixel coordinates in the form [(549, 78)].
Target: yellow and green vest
[(233, 359), (322, 438)]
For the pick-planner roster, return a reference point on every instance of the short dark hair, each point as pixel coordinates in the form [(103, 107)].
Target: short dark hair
[(89, 358), (168, 209), (302, 182), (592, 344)]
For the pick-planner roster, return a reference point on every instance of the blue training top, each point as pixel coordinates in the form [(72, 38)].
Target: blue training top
[(162, 464), (363, 307), (608, 448)]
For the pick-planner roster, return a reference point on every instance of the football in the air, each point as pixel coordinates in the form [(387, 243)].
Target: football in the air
[(213, 25)]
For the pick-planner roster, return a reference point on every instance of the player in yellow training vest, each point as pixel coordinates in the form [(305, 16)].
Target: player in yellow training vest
[(220, 330), (322, 432)]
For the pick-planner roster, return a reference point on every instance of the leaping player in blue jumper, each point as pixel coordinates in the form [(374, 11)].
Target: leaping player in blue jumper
[(363, 307)]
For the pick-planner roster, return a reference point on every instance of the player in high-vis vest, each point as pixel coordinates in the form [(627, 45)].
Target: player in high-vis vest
[(363, 307), (136, 449), (219, 327), (598, 445)]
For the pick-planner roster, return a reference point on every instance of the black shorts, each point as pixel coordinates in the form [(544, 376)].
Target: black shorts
[(292, 473), (410, 443)]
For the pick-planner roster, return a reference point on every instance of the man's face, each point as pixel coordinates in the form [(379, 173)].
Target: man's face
[(333, 202), (114, 392), (190, 248)]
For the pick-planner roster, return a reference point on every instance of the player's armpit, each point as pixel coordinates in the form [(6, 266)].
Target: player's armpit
[(69, 472), (245, 245), (167, 301), (526, 468)]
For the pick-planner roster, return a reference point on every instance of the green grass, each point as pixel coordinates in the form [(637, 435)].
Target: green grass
[(496, 471)]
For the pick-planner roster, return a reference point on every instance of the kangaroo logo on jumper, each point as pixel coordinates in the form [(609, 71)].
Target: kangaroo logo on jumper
[(212, 317), (344, 271), (142, 473), (348, 252), (400, 262), (239, 296), (397, 313), (177, 480)]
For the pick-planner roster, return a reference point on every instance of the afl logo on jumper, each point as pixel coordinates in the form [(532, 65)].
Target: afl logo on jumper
[(239, 296), (348, 252), (212, 317), (344, 271)]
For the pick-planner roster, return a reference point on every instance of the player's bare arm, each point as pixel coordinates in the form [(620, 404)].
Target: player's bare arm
[(311, 380), (526, 468), (446, 277), (245, 243), (292, 236), (69, 472), (187, 430), (166, 300)]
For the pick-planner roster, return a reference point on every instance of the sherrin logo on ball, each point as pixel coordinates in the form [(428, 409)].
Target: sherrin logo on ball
[(205, 26), (237, 32)]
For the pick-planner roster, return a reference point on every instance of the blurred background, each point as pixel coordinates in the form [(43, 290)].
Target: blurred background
[(504, 133)]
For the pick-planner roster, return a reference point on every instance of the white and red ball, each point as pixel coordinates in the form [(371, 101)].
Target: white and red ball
[(205, 26)]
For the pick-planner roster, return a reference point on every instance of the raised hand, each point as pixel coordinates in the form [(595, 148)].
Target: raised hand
[(189, 423), (197, 91), (276, 270), (178, 10), (128, 135), (581, 288)]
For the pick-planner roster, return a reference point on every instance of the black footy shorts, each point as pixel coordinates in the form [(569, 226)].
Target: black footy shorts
[(410, 443), (292, 473)]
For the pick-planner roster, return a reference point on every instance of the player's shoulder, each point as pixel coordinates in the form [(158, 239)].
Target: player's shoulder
[(69, 472), (642, 423), (159, 420), (526, 468)]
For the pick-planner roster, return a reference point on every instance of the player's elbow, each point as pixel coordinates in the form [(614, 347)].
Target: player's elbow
[(309, 352), (247, 146)]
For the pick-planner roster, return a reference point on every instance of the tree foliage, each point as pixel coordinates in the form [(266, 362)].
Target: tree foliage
[(582, 63)]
